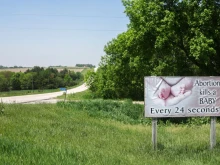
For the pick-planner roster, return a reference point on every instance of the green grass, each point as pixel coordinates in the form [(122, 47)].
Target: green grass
[(69, 134), (26, 92), (120, 111), (85, 95)]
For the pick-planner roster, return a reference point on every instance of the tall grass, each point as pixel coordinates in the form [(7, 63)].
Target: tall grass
[(67, 134), (124, 111)]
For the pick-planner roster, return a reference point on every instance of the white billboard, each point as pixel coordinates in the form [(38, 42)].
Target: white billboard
[(182, 96)]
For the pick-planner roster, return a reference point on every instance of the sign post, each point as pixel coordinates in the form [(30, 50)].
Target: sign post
[(154, 133), (65, 92), (213, 133), (182, 97)]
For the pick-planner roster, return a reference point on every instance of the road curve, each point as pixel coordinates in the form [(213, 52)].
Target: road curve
[(40, 97)]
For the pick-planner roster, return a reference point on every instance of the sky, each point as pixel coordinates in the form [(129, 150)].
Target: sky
[(58, 32)]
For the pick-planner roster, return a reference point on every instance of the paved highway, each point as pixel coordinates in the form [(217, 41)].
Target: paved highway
[(47, 97)]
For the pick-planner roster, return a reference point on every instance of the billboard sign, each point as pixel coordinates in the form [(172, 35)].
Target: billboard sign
[(182, 96)]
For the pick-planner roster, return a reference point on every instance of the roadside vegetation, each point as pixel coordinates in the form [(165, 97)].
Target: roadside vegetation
[(98, 132), (85, 95), (39, 80), (26, 92)]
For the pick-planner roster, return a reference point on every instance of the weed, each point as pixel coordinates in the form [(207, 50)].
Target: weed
[(2, 107)]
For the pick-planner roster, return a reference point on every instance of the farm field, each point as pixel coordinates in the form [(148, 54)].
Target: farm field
[(72, 69), (75, 69), (72, 133), (15, 69)]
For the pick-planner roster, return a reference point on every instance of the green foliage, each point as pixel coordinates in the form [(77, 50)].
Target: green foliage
[(3, 83), (26, 81), (16, 81), (123, 111), (198, 120), (39, 78), (89, 79), (172, 38)]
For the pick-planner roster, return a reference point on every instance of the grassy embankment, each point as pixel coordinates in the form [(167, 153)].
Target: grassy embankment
[(98, 132), (30, 92)]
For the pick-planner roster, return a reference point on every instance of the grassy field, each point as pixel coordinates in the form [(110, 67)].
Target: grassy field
[(75, 134)]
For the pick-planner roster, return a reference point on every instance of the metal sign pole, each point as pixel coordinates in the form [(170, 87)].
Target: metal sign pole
[(213, 132), (154, 133)]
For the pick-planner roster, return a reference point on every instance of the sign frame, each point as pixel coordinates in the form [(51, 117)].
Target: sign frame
[(213, 117)]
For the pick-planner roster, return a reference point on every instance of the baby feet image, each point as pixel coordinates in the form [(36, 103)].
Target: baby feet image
[(178, 89), (164, 91), (182, 89), (161, 94)]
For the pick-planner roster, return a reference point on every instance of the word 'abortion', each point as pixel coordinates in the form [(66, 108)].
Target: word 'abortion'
[(207, 83)]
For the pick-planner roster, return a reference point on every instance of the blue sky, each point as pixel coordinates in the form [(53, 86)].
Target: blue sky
[(58, 32)]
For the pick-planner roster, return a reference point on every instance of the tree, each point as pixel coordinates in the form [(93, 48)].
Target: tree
[(15, 81), (63, 72), (6, 76), (36, 69), (68, 80), (26, 81), (3, 83), (164, 38)]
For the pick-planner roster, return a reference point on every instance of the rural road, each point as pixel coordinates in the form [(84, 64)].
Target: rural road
[(46, 97)]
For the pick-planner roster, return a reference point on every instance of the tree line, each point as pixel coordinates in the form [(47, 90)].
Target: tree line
[(85, 65), (5, 67), (163, 38), (38, 78)]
